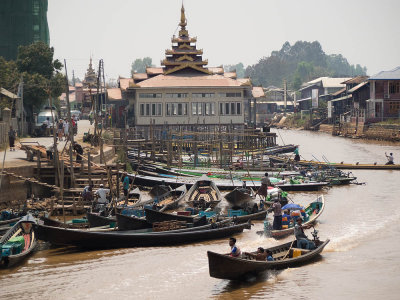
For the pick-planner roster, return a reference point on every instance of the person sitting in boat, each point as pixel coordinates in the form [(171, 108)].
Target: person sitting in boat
[(87, 193), (263, 190), (260, 255), (277, 209), (262, 204), (302, 240), (269, 255), (101, 194), (235, 251), (390, 159), (286, 214), (254, 209)]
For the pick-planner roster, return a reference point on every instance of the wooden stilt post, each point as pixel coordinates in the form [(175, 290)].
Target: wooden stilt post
[(90, 168)]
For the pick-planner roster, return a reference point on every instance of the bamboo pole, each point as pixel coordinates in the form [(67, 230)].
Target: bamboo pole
[(70, 128)]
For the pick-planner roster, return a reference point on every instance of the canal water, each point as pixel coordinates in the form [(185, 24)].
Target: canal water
[(362, 260)]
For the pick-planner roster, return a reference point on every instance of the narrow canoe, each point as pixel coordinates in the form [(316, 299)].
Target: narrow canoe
[(24, 228)]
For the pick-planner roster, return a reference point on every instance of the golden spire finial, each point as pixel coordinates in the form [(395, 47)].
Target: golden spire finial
[(183, 22)]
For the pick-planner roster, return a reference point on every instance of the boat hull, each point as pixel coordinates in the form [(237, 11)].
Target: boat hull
[(226, 267), (112, 240), (131, 223), (98, 221), (14, 260)]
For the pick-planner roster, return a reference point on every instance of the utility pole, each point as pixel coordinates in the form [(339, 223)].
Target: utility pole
[(22, 106), (284, 96)]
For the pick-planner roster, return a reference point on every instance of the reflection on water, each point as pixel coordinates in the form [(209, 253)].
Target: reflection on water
[(362, 223)]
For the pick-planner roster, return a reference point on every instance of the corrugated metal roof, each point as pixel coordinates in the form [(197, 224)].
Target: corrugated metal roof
[(339, 92), (114, 93), (357, 80), (8, 94), (358, 86), (341, 98), (328, 82), (257, 92), (387, 75), (189, 81)]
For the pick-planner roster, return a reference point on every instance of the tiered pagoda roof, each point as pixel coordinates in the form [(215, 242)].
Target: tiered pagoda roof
[(90, 76), (184, 54)]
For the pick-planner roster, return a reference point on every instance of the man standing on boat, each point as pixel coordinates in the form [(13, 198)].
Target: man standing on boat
[(263, 190), (296, 154), (302, 240), (101, 194), (277, 209), (390, 159), (126, 183)]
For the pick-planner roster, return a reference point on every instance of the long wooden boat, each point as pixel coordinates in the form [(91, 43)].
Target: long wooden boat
[(227, 267), (116, 239), (341, 165), (95, 220), (173, 199), (153, 216), (10, 221), (203, 194), (55, 223), (240, 197), (304, 186), (24, 242), (254, 216), (131, 223), (313, 210)]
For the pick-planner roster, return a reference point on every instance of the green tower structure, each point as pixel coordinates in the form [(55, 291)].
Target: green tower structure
[(22, 22)]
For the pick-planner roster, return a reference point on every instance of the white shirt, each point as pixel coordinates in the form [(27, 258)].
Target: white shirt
[(66, 126), (390, 158), (102, 193)]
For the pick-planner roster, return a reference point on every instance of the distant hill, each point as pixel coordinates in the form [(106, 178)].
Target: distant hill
[(300, 63)]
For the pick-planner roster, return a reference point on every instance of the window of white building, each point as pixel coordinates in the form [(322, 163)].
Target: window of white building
[(150, 95), (177, 109), (150, 109), (230, 108)]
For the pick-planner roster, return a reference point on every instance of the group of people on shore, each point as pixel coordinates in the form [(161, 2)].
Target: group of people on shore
[(63, 128)]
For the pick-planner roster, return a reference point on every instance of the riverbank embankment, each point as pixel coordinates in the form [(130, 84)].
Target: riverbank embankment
[(355, 130)]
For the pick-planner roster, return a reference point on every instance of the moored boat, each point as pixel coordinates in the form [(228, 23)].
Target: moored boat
[(204, 194), (95, 220), (110, 240), (18, 243), (153, 216), (56, 223), (240, 197), (131, 223)]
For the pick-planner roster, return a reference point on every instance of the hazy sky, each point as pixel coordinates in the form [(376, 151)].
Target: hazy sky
[(366, 32)]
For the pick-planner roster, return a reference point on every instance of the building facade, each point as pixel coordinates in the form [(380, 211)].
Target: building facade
[(184, 91), (384, 102), (22, 22)]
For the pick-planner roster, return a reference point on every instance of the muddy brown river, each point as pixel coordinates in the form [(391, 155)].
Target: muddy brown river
[(362, 261)]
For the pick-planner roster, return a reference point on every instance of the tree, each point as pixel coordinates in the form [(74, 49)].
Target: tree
[(9, 75), (41, 75), (140, 64), (238, 68), (299, 63)]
